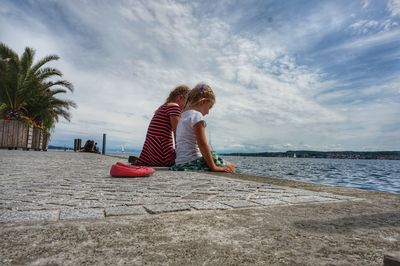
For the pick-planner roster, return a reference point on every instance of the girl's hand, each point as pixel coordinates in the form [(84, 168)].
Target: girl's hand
[(205, 150), (230, 168)]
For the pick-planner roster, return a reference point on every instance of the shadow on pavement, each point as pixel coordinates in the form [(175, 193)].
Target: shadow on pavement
[(345, 224)]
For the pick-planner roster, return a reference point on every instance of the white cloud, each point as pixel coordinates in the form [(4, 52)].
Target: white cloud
[(372, 26), (389, 90), (364, 26), (394, 7), (366, 42), (365, 3), (125, 57)]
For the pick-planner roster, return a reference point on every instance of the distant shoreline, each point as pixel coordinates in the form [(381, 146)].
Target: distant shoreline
[(368, 155)]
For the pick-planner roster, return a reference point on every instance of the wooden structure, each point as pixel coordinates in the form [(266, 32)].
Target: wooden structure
[(45, 140), (37, 139), (17, 135)]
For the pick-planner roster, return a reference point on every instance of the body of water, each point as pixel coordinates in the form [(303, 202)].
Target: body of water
[(380, 175)]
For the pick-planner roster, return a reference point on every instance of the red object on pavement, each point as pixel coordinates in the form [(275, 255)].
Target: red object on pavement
[(120, 169)]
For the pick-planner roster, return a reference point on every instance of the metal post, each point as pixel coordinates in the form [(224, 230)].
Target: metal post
[(103, 151)]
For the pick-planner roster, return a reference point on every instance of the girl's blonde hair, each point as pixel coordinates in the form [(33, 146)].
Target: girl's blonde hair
[(180, 90), (202, 91)]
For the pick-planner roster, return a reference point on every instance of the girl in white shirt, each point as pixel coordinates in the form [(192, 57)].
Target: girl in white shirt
[(192, 150)]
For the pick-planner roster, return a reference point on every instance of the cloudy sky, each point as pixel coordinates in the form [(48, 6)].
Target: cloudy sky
[(295, 74)]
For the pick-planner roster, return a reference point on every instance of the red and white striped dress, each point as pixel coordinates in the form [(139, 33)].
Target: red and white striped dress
[(158, 148)]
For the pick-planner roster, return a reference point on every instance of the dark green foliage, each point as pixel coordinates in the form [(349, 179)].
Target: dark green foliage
[(29, 89)]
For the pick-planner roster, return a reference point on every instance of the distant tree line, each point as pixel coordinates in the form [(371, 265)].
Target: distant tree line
[(376, 155)]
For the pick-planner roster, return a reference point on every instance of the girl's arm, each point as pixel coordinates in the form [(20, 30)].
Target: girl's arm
[(174, 115), (174, 123), (200, 133)]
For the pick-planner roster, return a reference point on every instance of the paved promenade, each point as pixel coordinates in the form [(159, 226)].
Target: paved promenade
[(66, 186), (51, 199)]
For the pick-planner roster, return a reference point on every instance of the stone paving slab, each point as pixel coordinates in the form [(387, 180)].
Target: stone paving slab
[(122, 210), (48, 186), (240, 203), (77, 214), (269, 201), (29, 216), (209, 206), (305, 199)]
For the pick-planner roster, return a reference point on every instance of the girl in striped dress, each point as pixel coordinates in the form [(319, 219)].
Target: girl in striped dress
[(158, 148)]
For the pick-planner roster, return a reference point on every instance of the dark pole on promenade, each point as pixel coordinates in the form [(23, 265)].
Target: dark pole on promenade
[(103, 151)]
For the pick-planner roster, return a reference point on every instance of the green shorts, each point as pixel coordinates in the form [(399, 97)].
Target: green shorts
[(199, 164)]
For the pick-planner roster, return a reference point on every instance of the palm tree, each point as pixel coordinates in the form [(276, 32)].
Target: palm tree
[(46, 109), (9, 68), (26, 88)]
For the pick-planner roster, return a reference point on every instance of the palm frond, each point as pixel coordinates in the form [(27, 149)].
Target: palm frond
[(7, 53), (63, 83), (56, 91), (44, 61), (27, 59), (47, 72)]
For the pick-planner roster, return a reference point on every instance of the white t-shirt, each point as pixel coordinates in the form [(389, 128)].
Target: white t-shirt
[(186, 145)]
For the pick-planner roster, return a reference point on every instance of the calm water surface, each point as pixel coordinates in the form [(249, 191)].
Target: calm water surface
[(380, 175)]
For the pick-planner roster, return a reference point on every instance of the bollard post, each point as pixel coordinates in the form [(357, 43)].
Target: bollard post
[(77, 145), (103, 150)]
